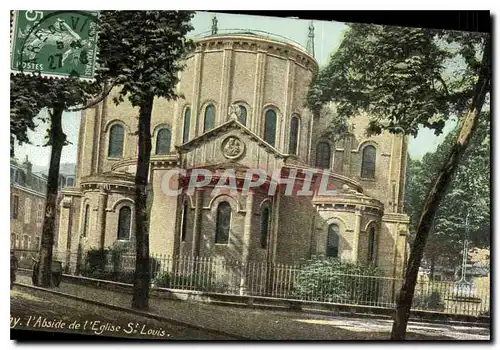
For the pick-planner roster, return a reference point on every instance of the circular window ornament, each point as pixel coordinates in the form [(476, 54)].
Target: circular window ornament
[(232, 147)]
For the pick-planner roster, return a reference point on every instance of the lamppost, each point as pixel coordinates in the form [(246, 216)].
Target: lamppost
[(463, 279), (464, 288)]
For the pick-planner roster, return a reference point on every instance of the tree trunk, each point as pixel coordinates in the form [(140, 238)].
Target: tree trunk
[(436, 194), (57, 140), (142, 278), (433, 267), (12, 147)]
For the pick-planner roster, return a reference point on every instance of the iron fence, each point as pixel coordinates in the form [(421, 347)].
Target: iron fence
[(257, 278)]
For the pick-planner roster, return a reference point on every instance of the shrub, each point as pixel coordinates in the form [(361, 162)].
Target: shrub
[(169, 280), (332, 280), (95, 260), (162, 280), (200, 281), (428, 301), (95, 265)]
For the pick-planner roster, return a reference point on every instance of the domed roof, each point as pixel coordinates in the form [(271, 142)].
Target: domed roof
[(252, 32)]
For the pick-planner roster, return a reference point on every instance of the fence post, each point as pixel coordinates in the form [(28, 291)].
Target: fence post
[(246, 242)]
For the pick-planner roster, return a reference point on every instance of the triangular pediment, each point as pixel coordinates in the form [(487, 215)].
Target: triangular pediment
[(225, 128), (229, 143)]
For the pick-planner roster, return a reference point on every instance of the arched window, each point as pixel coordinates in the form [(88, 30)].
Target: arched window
[(294, 135), (223, 223), (124, 223), (184, 222), (368, 162), (115, 148), (187, 121), (209, 118), (264, 226), (242, 118), (323, 155), (371, 244), (270, 127), (332, 242), (163, 138), (86, 220)]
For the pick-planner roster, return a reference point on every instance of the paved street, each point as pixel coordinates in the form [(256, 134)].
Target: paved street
[(44, 308), (273, 325)]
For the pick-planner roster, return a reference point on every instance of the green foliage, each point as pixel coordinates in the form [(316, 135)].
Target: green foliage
[(95, 260), (170, 280), (95, 265), (469, 192), (23, 108), (332, 280), (198, 280), (29, 94), (142, 51), (399, 76), (428, 300)]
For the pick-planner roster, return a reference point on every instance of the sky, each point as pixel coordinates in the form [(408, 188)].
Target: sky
[(328, 35)]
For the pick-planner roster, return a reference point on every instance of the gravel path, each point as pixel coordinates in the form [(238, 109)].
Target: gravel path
[(42, 311), (274, 325)]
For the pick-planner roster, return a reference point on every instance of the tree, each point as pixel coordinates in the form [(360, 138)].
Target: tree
[(399, 77), (29, 95), (142, 51), (468, 194), (23, 109)]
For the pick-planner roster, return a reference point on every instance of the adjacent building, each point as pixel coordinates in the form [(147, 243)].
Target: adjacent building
[(27, 205), (27, 202)]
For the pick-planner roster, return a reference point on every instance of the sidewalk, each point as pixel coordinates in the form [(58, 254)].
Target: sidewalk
[(268, 325)]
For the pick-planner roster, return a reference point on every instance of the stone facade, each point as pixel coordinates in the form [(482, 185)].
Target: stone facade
[(27, 205), (28, 192), (260, 75)]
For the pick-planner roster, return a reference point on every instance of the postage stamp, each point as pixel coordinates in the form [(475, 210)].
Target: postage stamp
[(56, 44)]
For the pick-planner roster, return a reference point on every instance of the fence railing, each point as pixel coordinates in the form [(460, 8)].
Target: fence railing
[(257, 278)]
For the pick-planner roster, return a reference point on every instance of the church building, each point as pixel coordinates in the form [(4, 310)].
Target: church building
[(242, 107)]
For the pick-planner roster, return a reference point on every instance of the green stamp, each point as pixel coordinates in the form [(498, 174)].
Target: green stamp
[(57, 44)]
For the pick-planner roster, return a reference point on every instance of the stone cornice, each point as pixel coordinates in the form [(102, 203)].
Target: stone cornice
[(396, 217), (362, 202), (347, 206), (124, 162), (164, 161), (110, 181), (251, 43), (74, 192), (111, 187)]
